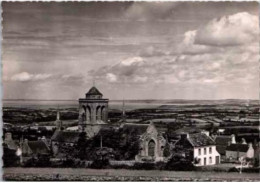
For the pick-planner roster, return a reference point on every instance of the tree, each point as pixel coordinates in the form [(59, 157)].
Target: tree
[(81, 146), (179, 163), (9, 157)]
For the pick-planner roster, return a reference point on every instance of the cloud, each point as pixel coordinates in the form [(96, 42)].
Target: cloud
[(45, 77), (142, 11), (217, 59), (237, 29), (25, 76), (151, 51), (111, 77), (132, 61)]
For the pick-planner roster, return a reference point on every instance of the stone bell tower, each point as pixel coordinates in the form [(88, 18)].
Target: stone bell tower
[(93, 110)]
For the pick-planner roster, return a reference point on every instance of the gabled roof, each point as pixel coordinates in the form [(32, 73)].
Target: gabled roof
[(11, 144), (93, 91), (223, 140), (200, 139), (138, 129), (65, 136), (38, 147), (237, 147)]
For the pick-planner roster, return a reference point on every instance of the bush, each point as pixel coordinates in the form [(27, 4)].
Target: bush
[(100, 164), (178, 163), (144, 166)]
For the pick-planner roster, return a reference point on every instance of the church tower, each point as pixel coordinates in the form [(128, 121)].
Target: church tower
[(58, 122), (93, 110)]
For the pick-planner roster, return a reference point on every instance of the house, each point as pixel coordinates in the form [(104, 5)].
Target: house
[(222, 141), (34, 148), (9, 142), (235, 151), (63, 138), (199, 147)]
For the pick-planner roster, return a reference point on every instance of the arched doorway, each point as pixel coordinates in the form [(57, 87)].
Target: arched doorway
[(151, 148)]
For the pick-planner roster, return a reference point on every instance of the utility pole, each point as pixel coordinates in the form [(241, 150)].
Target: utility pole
[(101, 144)]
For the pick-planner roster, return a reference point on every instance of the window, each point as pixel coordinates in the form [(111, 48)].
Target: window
[(205, 151), (210, 150), (210, 160), (199, 151)]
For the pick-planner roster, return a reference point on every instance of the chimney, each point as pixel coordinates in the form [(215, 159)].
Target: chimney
[(205, 132), (250, 151), (184, 136), (44, 139), (8, 137), (244, 141), (233, 141)]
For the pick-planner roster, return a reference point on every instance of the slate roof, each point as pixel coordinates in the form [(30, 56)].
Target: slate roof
[(12, 144), (221, 149), (38, 147), (93, 91), (237, 147), (200, 139), (65, 136), (223, 140), (139, 129)]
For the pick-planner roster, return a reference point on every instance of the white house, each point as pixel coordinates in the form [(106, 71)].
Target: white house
[(202, 148)]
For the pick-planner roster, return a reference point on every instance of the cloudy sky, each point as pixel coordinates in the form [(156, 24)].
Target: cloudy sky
[(141, 50)]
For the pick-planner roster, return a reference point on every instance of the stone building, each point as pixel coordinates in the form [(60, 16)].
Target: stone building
[(93, 112), (152, 141)]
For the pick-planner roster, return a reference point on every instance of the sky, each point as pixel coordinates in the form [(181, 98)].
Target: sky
[(131, 50)]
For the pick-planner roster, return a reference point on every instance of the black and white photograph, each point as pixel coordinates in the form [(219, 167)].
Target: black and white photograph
[(130, 91)]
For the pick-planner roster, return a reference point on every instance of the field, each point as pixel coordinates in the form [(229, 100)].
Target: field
[(44, 174)]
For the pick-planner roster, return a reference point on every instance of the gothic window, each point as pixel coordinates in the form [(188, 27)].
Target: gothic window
[(98, 113), (83, 117), (151, 148), (88, 111)]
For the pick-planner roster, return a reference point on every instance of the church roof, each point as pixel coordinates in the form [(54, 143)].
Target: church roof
[(38, 147), (138, 129), (93, 91), (65, 136)]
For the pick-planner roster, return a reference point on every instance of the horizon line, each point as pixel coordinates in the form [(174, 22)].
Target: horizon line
[(122, 99)]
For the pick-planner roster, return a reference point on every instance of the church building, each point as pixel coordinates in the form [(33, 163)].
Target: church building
[(93, 112)]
